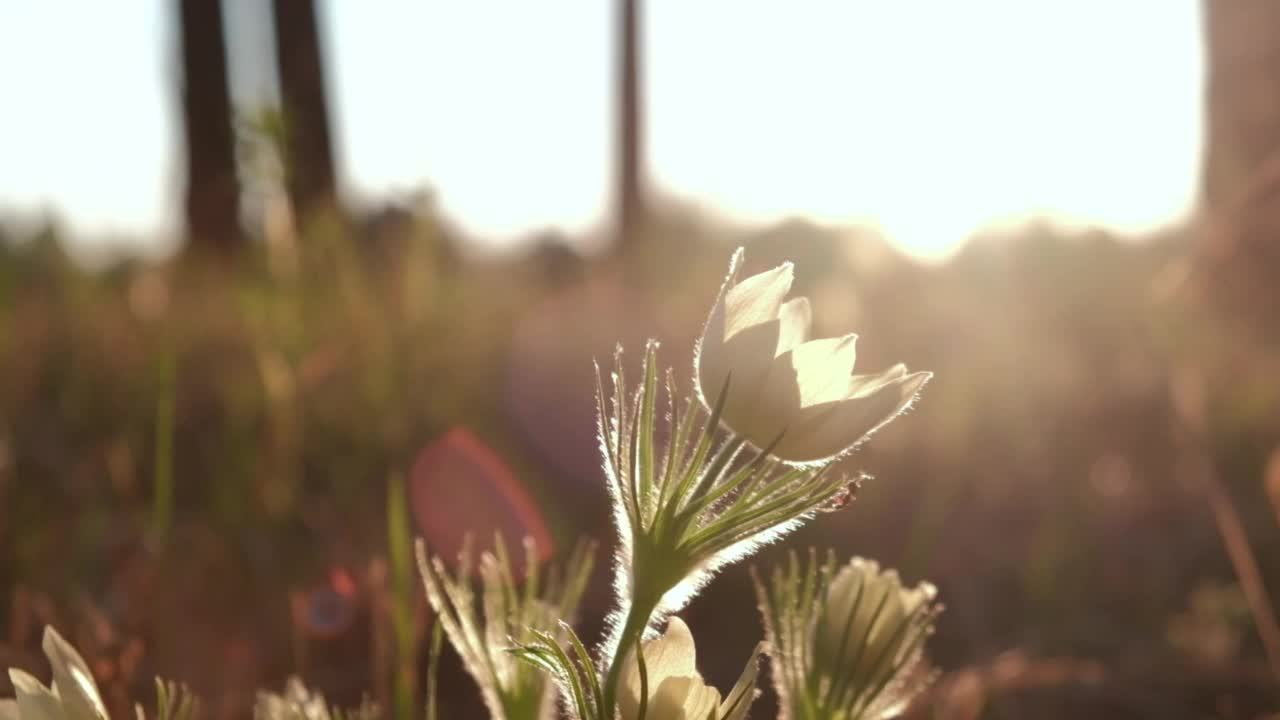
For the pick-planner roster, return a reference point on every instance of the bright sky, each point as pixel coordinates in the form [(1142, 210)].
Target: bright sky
[(931, 119)]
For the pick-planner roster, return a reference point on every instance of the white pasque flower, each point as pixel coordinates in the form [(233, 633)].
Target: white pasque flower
[(847, 644), (72, 695), (795, 395), (297, 702), (675, 689), (866, 621)]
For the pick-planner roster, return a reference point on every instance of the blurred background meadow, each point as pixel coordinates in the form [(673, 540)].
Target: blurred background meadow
[(285, 282)]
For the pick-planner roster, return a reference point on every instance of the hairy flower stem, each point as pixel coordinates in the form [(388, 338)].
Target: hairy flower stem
[(632, 628)]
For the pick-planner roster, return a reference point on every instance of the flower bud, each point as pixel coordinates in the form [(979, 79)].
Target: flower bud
[(847, 643), (866, 620)]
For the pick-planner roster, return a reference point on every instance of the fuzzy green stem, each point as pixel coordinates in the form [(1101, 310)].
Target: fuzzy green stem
[(633, 627)]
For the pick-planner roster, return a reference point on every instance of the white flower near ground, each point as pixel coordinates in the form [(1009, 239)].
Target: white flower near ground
[(72, 695), (748, 458), (675, 689), (845, 644), (297, 702), (797, 396), (864, 622)]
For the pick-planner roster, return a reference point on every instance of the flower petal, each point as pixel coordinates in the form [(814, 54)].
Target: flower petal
[(824, 369), (869, 384), (814, 373), (710, 360), (9, 710), (756, 300), (830, 429), (751, 355), (670, 656), (879, 619), (682, 698), (701, 702), (794, 318), (860, 622), (35, 701), (72, 679), (742, 333)]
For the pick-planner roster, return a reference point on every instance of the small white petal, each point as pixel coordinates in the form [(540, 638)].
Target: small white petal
[(794, 317), (751, 352), (888, 594), (861, 620), (682, 698), (72, 679), (35, 701), (672, 655), (756, 300), (742, 334), (825, 431), (666, 701), (701, 702), (824, 369), (711, 364), (752, 358), (864, 385)]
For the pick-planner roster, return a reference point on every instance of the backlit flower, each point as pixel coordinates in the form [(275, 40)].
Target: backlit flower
[(694, 498), (846, 644), (865, 620), (797, 395), (675, 690), (72, 695), (297, 702), (693, 501)]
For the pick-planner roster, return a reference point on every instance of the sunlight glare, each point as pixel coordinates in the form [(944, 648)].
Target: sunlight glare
[(928, 120)]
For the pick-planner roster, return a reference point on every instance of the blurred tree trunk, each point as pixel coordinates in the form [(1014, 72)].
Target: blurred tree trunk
[(213, 192), (630, 181), (310, 176), (1241, 176)]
